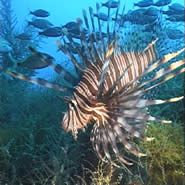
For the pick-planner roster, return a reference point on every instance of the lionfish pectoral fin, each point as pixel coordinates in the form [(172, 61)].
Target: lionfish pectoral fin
[(42, 57), (139, 103), (57, 68), (159, 74), (105, 147), (170, 56), (40, 81), (96, 141), (112, 135), (166, 74), (122, 138)]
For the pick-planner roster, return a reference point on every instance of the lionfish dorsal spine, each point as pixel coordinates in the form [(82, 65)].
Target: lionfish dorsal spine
[(67, 52), (103, 49), (105, 68), (77, 64), (88, 56), (115, 23), (108, 26)]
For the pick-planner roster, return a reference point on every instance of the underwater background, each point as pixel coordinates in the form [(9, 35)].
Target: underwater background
[(34, 149)]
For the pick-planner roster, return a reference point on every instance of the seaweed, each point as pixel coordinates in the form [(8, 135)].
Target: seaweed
[(165, 154)]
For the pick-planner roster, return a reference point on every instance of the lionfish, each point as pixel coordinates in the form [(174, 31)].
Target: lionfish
[(109, 91)]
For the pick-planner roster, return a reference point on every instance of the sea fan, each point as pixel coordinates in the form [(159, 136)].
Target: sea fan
[(109, 92)]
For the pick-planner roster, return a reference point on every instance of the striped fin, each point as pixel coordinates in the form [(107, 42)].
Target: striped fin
[(86, 19), (104, 70), (64, 74), (160, 74), (84, 43), (105, 136), (105, 146), (80, 54), (103, 49), (112, 137), (108, 22), (97, 53), (40, 81), (151, 44), (139, 114), (111, 89), (115, 22), (117, 128), (96, 140), (88, 29), (91, 38), (139, 93), (57, 68), (92, 18), (151, 68), (123, 71), (78, 67), (139, 103)]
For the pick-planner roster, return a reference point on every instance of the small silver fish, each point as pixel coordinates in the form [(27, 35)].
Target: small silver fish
[(40, 13), (144, 3), (176, 7), (162, 2), (34, 61), (40, 23), (111, 4), (151, 11), (138, 17), (52, 32), (102, 16), (176, 18), (174, 34), (23, 36)]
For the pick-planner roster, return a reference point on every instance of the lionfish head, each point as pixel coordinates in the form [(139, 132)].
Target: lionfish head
[(74, 119), (84, 109)]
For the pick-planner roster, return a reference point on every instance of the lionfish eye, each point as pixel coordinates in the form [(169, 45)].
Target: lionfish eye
[(72, 104)]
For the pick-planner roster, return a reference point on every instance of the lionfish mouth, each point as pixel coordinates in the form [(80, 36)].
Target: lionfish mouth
[(108, 92)]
